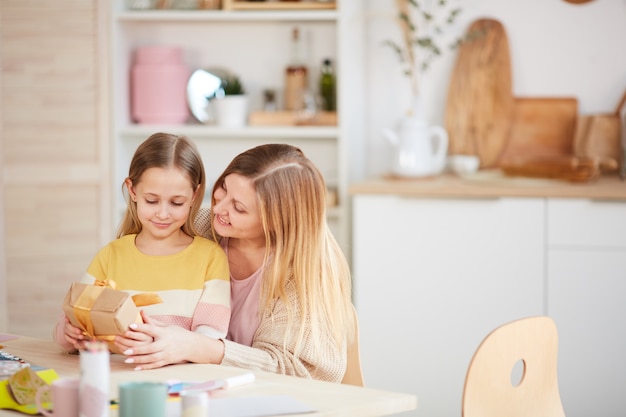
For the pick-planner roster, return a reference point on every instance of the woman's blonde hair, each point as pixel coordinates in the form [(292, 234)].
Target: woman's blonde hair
[(164, 150), (300, 248)]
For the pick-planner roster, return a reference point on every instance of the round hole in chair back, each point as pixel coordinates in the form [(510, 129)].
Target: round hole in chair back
[(517, 372)]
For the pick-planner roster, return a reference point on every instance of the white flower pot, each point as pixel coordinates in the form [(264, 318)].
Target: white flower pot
[(231, 111)]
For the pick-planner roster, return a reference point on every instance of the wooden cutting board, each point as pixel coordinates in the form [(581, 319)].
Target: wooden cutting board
[(541, 127), (479, 106), (598, 136), (569, 168)]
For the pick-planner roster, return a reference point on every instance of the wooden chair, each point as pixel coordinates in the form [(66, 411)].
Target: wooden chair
[(491, 388), (354, 373)]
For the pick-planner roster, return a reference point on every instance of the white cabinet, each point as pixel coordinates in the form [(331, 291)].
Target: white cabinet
[(586, 297), (432, 277), (255, 45)]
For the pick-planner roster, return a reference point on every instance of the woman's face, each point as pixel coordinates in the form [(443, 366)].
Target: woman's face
[(236, 210)]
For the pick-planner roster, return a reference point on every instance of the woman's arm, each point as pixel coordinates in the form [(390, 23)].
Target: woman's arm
[(153, 344), (266, 352)]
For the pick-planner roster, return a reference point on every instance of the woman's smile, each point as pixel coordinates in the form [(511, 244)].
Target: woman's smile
[(221, 220)]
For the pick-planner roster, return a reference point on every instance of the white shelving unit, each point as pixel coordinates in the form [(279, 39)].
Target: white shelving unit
[(255, 45)]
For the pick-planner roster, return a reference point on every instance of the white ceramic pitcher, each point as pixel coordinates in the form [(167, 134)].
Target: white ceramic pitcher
[(420, 150)]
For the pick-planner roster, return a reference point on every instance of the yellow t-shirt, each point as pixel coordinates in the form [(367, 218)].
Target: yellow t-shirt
[(194, 283)]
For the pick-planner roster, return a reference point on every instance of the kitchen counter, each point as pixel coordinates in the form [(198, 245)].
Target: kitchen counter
[(492, 184), (472, 253)]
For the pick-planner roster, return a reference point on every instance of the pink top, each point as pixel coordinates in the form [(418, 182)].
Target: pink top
[(244, 305)]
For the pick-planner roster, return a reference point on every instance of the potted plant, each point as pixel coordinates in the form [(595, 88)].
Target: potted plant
[(231, 104)]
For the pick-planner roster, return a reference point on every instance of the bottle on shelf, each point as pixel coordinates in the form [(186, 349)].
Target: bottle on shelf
[(328, 87), (269, 100), (296, 74)]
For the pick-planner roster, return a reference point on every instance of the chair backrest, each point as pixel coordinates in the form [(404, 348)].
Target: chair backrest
[(514, 372), (354, 373)]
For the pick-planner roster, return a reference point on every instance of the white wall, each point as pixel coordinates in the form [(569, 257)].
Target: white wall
[(557, 49)]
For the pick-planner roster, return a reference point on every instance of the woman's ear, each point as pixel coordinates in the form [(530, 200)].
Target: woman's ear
[(131, 191)]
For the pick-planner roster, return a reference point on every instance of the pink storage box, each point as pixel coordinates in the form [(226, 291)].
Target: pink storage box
[(158, 86)]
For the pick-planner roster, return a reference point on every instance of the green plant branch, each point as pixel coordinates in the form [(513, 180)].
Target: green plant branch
[(419, 45)]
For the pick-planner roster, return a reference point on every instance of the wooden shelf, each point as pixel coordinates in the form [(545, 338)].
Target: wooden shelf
[(215, 132), (254, 15), (291, 118), (277, 5)]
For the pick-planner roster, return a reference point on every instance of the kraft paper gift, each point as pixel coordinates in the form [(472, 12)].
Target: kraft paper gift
[(103, 312)]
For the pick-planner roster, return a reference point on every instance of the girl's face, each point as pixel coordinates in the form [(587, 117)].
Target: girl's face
[(236, 210), (164, 197)]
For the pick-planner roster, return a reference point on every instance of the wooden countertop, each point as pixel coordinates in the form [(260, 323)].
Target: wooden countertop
[(492, 184)]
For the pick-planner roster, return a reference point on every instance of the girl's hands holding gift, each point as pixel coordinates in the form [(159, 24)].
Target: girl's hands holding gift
[(153, 344), (73, 335)]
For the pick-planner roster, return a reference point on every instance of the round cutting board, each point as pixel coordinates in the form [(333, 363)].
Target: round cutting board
[(479, 107)]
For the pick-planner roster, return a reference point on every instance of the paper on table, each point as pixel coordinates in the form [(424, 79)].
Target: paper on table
[(275, 405), (257, 406), (4, 337)]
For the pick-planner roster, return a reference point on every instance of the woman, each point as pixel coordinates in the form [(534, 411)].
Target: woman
[(290, 283)]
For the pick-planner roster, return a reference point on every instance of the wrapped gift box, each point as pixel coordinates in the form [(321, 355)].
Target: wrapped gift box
[(103, 312)]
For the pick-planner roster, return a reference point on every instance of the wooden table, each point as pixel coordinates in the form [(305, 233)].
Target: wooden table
[(327, 398)]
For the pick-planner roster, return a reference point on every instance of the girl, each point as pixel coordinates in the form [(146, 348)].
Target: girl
[(157, 249)]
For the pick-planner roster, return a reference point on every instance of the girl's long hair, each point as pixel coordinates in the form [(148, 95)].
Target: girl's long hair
[(164, 150), (300, 248)]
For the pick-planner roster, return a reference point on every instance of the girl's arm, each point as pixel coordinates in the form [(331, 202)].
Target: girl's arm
[(211, 316)]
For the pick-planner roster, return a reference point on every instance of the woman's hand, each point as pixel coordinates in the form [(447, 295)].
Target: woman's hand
[(153, 344)]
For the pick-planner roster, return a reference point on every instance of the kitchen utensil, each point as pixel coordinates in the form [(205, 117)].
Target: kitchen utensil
[(142, 398), (420, 150), (65, 398), (463, 164), (598, 136), (570, 168), (479, 106), (541, 127), (621, 114)]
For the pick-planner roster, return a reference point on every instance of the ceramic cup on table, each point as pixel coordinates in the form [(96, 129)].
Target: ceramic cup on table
[(138, 398), (65, 400), (463, 164)]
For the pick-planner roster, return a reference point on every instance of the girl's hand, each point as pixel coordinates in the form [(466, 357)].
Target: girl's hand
[(153, 344), (73, 335)]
